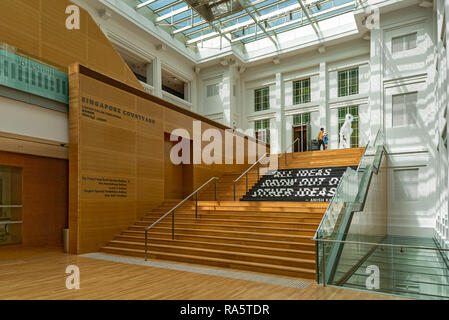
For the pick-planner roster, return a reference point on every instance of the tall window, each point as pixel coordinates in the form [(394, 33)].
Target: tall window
[(348, 82), (262, 99), (301, 91), (404, 109), (354, 111), (213, 90), (262, 130), (301, 119), (404, 43)]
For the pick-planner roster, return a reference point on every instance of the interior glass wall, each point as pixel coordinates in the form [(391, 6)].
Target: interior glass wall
[(10, 205)]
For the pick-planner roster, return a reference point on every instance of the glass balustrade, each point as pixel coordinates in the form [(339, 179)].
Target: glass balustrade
[(354, 249), (21, 72)]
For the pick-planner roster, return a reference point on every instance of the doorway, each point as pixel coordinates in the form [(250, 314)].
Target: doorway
[(178, 179), (301, 133), (10, 205)]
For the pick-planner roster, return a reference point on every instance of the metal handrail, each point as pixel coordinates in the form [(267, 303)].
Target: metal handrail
[(338, 186), (172, 210), (252, 166), (246, 173), (378, 244), (285, 150), (327, 210)]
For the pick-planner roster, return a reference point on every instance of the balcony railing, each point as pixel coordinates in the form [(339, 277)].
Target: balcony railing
[(177, 101), (168, 96), (24, 74), (148, 88)]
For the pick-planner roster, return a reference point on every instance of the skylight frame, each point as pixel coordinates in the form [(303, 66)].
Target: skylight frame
[(261, 20)]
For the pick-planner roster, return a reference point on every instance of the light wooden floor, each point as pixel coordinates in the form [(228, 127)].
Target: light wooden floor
[(39, 273)]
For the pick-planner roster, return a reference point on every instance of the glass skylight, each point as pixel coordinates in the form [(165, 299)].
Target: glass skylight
[(238, 20)]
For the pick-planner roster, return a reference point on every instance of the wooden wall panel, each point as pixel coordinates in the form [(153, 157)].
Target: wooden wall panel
[(37, 28), (115, 148), (125, 147), (45, 197)]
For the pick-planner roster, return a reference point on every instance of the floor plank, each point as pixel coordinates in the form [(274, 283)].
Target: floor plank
[(39, 273)]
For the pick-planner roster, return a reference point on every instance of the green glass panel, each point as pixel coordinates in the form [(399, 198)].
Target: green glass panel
[(30, 76)]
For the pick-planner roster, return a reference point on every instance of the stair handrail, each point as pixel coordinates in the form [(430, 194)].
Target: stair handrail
[(350, 205), (172, 210), (285, 150), (315, 237), (245, 173)]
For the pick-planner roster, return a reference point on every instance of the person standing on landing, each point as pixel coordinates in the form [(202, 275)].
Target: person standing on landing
[(326, 141), (321, 139)]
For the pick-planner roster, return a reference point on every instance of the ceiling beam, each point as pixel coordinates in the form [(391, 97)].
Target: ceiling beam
[(224, 21), (172, 14), (275, 42), (168, 6), (312, 23), (144, 4), (212, 26)]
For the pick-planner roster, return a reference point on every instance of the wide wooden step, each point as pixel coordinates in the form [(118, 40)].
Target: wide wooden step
[(273, 210), (231, 233), (224, 263), (217, 253), (236, 222), (296, 217), (221, 239), (165, 226), (271, 204), (267, 249)]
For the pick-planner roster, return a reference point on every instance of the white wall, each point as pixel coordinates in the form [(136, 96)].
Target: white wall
[(33, 121), (411, 147), (136, 41), (323, 92), (382, 74), (441, 22)]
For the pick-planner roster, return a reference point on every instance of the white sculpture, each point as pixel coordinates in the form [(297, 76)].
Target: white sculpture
[(346, 132)]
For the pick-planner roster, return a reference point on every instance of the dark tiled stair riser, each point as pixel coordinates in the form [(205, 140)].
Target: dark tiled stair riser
[(304, 185)]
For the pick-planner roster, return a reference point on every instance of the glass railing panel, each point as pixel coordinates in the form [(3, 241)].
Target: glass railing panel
[(350, 197), (410, 271), (355, 251), (345, 194), (24, 73)]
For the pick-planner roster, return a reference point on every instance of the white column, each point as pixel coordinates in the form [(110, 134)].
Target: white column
[(277, 140), (226, 96), (154, 76), (376, 87), (324, 97), (195, 94), (187, 91), (446, 6), (233, 73)]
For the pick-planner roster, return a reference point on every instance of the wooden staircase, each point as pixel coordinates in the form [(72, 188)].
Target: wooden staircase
[(317, 159), (266, 237), (263, 237), (225, 187)]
